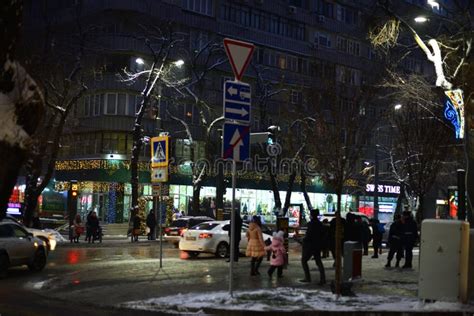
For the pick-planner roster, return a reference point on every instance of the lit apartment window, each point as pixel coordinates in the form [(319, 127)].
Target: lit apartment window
[(199, 6), (281, 61)]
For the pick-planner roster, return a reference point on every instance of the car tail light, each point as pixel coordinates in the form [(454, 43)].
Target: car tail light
[(205, 235), (167, 230)]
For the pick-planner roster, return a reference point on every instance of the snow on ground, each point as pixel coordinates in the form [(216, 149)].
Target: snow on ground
[(289, 299)]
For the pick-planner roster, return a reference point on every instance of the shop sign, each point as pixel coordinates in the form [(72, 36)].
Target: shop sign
[(382, 188)]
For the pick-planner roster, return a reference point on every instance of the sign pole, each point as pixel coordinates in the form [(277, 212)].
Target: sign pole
[(232, 228), (236, 131), (161, 226)]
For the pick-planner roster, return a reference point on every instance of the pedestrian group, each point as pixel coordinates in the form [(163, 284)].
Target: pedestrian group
[(320, 240)]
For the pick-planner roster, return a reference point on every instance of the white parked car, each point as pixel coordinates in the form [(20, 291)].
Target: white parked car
[(19, 247), (212, 237), (49, 236)]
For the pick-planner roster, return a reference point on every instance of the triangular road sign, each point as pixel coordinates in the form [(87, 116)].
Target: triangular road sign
[(239, 54), (160, 153)]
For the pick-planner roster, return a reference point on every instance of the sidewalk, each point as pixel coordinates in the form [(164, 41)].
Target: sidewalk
[(135, 282)]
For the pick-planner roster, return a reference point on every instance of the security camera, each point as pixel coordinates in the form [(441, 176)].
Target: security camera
[(274, 128)]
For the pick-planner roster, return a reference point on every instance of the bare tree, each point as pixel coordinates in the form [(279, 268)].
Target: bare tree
[(421, 137), (447, 44), (266, 90), (160, 43), (21, 106), (341, 129), (62, 91), (199, 64), (297, 143)]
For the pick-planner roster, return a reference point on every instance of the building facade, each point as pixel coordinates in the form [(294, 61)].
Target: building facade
[(300, 45)]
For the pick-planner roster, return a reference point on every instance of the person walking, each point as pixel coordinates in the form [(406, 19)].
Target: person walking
[(238, 237), (377, 235), (151, 223), (78, 228), (93, 225), (325, 239), (395, 241), (278, 253), (255, 246), (332, 237), (312, 248), (409, 237), (136, 228), (365, 234)]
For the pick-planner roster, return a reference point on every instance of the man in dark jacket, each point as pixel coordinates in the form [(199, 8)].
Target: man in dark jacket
[(353, 229), (409, 237), (377, 235), (238, 230), (365, 234), (312, 243), (151, 223), (395, 241), (332, 237), (93, 224)]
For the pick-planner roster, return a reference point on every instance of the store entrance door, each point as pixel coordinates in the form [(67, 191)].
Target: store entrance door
[(100, 206)]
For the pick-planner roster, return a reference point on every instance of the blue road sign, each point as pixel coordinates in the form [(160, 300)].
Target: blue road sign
[(159, 151), (236, 142), (237, 91), (237, 111)]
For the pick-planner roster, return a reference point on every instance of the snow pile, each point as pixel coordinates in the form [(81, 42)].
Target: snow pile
[(289, 299), (25, 91)]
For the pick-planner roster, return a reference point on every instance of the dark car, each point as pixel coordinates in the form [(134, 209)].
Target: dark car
[(178, 226)]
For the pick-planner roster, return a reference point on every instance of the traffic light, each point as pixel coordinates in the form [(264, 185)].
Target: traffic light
[(272, 134), (72, 204), (74, 187)]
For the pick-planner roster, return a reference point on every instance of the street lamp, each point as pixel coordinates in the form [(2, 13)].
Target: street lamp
[(397, 107), (179, 63), (140, 61), (421, 19), (433, 4)]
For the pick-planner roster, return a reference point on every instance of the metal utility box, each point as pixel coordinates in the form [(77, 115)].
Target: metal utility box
[(444, 260), (352, 267)]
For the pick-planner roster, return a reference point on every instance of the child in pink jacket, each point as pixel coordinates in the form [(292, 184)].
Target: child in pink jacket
[(278, 254)]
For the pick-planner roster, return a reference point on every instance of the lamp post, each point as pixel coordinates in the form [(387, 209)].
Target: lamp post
[(396, 108), (376, 180)]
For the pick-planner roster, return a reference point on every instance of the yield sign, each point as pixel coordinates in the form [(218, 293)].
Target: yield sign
[(239, 54)]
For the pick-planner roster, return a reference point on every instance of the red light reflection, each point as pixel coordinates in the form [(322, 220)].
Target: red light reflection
[(73, 256)]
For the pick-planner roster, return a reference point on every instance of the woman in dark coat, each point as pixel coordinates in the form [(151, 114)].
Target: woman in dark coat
[(136, 228), (151, 223)]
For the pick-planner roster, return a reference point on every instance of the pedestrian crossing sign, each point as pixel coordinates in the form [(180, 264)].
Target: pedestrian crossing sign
[(160, 151)]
